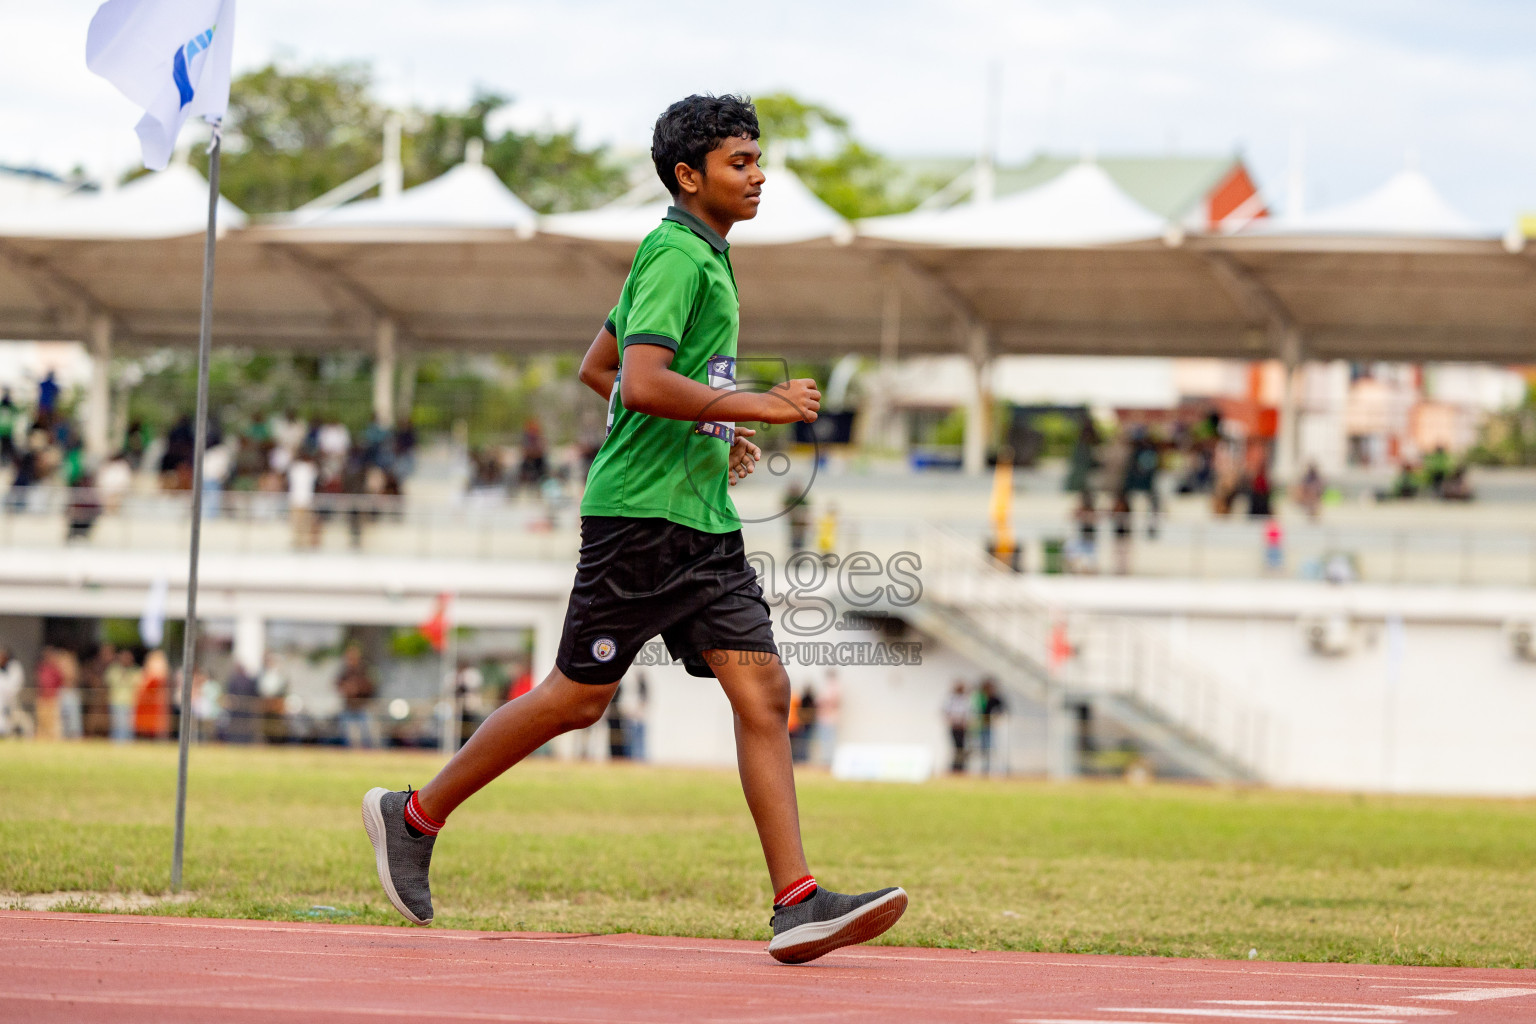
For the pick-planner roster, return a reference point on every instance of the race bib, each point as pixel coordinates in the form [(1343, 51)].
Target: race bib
[(722, 377), (613, 405)]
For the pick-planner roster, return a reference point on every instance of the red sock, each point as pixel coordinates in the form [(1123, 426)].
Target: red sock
[(796, 892), (418, 819)]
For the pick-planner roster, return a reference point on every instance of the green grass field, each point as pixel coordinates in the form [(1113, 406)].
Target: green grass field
[(1165, 870)]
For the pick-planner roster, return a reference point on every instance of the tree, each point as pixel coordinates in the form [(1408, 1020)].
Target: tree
[(550, 172), (293, 135), (817, 143)]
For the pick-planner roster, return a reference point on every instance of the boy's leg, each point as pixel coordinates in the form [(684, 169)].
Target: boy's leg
[(758, 688), (812, 921), (517, 728), (403, 826)]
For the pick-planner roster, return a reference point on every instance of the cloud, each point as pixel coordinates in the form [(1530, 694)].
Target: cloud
[(1366, 80)]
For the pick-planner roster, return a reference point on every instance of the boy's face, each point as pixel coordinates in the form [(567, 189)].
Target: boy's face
[(732, 183)]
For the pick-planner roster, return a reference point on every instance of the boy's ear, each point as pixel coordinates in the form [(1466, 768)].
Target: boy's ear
[(688, 180)]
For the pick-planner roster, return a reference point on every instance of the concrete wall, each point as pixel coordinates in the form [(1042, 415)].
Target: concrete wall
[(1427, 696), (1446, 708), (689, 719)]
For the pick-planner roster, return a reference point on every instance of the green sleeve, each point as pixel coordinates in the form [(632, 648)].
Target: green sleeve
[(608, 324), (663, 286)]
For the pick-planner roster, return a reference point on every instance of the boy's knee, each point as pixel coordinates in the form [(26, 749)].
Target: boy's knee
[(767, 702), (584, 706)]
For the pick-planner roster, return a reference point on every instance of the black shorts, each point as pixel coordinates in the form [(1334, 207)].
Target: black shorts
[(637, 578)]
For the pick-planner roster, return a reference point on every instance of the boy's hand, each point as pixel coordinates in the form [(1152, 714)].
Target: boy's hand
[(744, 455), (794, 401)]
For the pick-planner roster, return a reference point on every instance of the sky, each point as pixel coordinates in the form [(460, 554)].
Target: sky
[(1360, 88)]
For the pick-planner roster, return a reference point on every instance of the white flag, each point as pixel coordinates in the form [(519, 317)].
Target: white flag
[(170, 57)]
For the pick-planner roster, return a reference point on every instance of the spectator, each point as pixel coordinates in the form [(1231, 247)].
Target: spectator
[(93, 691), (1309, 493), (1086, 556), (176, 463), (217, 462), (1084, 459), (303, 473), (1141, 469), (333, 442), (272, 686), (114, 481), (377, 447), (826, 530), (829, 707), (989, 704), (618, 738), (468, 697), (1456, 486), (957, 714), (207, 706), (71, 703), (1437, 468), (534, 466), (50, 680), (1274, 546), (356, 686), (638, 721), (13, 678), (48, 397), (1120, 517), (30, 459), (405, 448), (805, 710), (83, 510), (522, 680), (152, 714), (242, 702), (135, 444), (1260, 505), (9, 417), (124, 680), (797, 514)]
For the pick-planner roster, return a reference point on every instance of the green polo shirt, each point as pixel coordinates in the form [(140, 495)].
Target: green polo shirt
[(681, 294)]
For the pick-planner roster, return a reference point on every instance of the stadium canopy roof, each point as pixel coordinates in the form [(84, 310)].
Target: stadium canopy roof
[(791, 213), (1172, 186), (1406, 206), (165, 204), (484, 287), (468, 197), (1083, 206)]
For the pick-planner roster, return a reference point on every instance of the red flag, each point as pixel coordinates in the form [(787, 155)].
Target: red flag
[(435, 629)]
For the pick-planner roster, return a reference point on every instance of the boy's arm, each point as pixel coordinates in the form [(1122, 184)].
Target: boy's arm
[(651, 386), (601, 363)]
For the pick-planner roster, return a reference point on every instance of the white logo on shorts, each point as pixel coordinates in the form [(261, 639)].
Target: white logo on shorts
[(604, 648)]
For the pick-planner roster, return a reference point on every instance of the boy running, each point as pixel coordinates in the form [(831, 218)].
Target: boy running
[(661, 545)]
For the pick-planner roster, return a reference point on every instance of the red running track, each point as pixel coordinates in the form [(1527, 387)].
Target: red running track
[(102, 967)]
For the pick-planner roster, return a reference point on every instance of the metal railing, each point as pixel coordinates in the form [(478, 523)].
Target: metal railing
[(1085, 655), (251, 522)]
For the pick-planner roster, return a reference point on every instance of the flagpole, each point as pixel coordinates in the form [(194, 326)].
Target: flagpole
[(189, 639)]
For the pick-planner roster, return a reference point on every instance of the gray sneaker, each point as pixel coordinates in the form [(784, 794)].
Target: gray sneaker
[(829, 920), (402, 859)]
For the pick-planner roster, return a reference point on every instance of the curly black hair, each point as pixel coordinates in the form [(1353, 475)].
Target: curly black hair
[(688, 129)]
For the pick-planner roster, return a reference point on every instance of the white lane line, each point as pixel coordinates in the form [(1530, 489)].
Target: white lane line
[(1473, 995), (1271, 1009)]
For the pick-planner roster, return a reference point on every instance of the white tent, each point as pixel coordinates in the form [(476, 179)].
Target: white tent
[(1082, 206), (790, 212), (1406, 206), (165, 204), (468, 196)]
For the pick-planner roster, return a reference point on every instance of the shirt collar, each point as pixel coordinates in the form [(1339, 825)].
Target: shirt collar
[(698, 227)]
